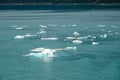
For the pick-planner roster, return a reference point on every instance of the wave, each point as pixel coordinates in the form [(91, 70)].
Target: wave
[(46, 52)]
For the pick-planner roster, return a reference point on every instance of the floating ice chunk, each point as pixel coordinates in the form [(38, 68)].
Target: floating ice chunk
[(19, 37), (41, 32), (19, 28), (94, 37), (101, 25), (95, 43), (76, 33), (70, 38), (70, 48), (43, 26), (104, 36), (77, 41), (23, 36), (76, 38), (28, 35), (52, 38), (74, 25)]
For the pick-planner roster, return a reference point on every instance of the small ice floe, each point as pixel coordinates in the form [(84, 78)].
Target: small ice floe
[(93, 37), (24, 36), (70, 38), (19, 37), (95, 43), (76, 33), (28, 35), (101, 25), (51, 38), (70, 48), (77, 41), (76, 38), (42, 32), (74, 25), (104, 36), (43, 26), (19, 28)]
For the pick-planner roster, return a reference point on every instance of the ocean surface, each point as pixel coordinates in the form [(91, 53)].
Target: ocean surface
[(88, 43)]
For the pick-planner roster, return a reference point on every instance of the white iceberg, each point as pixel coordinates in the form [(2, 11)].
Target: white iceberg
[(51, 38), (19, 37)]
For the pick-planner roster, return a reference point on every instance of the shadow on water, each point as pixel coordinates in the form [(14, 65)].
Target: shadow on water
[(58, 7)]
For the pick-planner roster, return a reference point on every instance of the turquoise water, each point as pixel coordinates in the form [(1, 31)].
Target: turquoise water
[(95, 33)]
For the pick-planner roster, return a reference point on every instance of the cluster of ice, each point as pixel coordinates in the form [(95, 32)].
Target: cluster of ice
[(24, 36)]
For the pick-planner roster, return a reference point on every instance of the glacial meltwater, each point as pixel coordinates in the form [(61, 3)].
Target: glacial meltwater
[(60, 43)]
